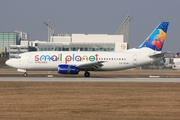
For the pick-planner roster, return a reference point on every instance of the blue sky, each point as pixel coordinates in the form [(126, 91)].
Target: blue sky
[(92, 17)]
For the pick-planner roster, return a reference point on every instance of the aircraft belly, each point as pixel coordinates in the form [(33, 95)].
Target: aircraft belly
[(110, 66), (42, 66)]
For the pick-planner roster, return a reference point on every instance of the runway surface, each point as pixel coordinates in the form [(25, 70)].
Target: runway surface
[(65, 79)]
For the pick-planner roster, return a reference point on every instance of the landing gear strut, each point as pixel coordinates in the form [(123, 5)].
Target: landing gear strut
[(25, 74), (86, 74)]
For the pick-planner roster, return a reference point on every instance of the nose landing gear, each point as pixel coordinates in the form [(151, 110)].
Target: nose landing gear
[(25, 74), (24, 71)]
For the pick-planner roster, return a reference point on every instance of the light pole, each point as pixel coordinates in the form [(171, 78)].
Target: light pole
[(50, 26)]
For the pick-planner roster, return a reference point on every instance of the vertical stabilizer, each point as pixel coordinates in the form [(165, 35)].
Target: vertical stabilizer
[(156, 39)]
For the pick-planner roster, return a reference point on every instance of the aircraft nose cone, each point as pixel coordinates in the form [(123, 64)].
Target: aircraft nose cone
[(8, 62)]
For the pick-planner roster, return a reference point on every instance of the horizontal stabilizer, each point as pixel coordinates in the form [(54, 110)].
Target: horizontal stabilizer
[(159, 55)]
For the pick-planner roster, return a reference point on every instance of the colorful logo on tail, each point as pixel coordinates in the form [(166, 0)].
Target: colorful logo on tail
[(156, 39)]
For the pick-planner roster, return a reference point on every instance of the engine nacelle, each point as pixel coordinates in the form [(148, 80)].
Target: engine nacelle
[(67, 69)]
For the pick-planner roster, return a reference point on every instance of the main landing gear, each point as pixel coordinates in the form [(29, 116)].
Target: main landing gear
[(86, 74)]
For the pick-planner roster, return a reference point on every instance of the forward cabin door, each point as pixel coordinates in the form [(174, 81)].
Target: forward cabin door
[(30, 58)]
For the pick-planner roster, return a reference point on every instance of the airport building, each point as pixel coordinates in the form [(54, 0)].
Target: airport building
[(82, 42), (75, 42), (7, 39)]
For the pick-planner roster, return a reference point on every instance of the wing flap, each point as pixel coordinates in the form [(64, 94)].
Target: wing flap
[(91, 66)]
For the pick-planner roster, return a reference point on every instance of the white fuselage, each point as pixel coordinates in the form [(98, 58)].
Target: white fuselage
[(49, 60)]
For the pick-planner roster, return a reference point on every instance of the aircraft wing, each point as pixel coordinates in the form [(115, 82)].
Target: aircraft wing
[(91, 66), (158, 55)]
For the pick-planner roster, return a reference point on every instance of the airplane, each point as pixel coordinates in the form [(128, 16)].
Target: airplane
[(72, 62)]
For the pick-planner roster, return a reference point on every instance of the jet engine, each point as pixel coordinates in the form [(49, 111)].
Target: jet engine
[(67, 69)]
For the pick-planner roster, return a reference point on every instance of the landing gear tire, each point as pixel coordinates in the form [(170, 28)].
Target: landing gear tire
[(25, 74), (86, 74)]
